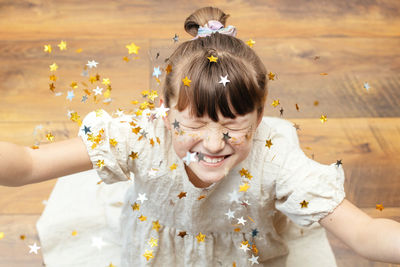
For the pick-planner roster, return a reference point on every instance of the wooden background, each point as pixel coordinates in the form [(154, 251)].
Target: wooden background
[(352, 42)]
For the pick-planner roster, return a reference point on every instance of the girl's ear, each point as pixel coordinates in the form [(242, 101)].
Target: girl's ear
[(166, 118)]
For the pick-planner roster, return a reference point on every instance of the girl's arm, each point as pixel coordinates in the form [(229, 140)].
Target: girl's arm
[(21, 165), (374, 239)]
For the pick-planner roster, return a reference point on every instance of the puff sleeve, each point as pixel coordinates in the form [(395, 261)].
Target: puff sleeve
[(107, 143), (303, 180)]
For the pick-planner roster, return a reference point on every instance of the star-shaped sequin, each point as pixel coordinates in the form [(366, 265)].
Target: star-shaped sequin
[(268, 143), (338, 163), (379, 207), (226, 136), (186, 81), (234, 197), (142, 197), (304, 204), (70, 95), (271, 76), (153, 242), (366, 86), (250, 42), (224, 80), (241, 220), (62, 45), (212, 58), (244, 247), (148, 254), (182, 195), (176, 38), (33, 248), (133, 155), (182, 234), (161, 111), (156, 72), (200, 237), (243, 187), (253, 260), (135, 206), (156, 226), (92, 64), (190, 157), (132, 48), (200, 156), (142, 218), (53, 67), (86, 129), (98, 242), (275, 103), (323, 118), (230, 214), (176, 124)]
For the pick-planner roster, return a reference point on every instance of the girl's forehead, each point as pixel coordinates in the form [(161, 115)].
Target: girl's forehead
[(186, 114)]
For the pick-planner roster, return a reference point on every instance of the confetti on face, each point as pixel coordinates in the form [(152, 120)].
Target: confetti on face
[(190, 157), (226, 136)]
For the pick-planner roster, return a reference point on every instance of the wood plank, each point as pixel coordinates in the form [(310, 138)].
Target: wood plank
[(348, 62), (158, 19)]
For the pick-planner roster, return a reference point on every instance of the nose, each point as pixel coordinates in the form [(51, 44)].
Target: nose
[(213, 141)]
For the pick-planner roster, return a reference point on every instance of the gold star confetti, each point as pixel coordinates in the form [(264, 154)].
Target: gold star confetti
[(156, 226), (79, 50), (52, 87), (323, 118), (53, 78), (244, 187), (168, 69), (35, 147), (106, 81), (148, 254), (132, 48), (182, 194), (186, 81), (126, 58), (304, 204), (142, 218), (271, 76), (53, 67), (173, 166), (268, 143), (323, 73), (113, 142), (153, 242), (182, 234), (201, 197), (212, 58), (236, 229), (250, 42), (1, 235), (379, 207), (62, 45), (316, 103), (153, 95), (50, 137), (133, 155), (275, 103), (100, 163), (47, 48), (200, 237), (135, 206), (74, 233), (92, 79), (22, 237), (244, 172)]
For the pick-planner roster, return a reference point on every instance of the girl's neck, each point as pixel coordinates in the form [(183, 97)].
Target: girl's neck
[(195, 180)]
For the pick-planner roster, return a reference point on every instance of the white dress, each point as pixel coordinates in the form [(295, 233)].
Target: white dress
[(150, 214)]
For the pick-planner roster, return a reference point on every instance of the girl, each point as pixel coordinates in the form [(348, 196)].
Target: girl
[(208, 180)]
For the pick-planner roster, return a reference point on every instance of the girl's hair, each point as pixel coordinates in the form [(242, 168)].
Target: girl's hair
[(247, 89)]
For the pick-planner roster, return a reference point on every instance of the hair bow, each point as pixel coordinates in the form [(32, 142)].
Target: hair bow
[(215, 26)]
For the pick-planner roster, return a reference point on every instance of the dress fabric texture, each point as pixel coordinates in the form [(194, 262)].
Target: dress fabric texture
[(150, 214)]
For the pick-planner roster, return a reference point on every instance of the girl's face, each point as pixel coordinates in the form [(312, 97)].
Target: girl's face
[(218, 146)]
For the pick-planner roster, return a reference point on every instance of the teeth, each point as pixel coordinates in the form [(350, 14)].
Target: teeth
[(213, 160)]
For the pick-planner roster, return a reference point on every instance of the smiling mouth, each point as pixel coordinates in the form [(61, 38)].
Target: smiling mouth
[(211, 159)]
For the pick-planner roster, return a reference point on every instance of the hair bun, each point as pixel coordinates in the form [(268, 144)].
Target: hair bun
[(201, 16)]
